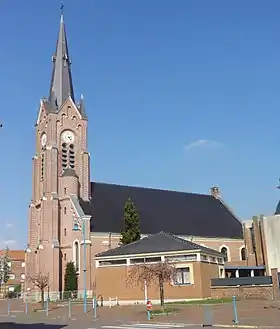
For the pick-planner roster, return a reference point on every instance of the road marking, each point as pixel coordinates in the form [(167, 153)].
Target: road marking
[(161, 325), (144, 325)]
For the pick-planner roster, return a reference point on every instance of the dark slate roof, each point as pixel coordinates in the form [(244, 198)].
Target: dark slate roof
[(159, 242), (160, 210)]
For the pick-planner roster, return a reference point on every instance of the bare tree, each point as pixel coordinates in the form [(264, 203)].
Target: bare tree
[(159, 274), (40, 281)]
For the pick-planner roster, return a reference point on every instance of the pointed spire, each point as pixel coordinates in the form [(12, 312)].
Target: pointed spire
[(61, 83)]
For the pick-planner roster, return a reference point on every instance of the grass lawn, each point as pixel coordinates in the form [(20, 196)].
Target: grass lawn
[(164, 311), (202, 302)]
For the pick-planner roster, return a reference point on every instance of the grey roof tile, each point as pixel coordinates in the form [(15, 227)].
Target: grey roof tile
[(159, 242), (69, 172)]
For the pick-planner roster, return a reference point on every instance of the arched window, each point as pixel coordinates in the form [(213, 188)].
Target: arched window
[(243, 253), (65, 232), (224, 251), (76, 255)]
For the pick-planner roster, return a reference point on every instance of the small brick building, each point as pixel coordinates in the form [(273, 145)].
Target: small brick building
[(17, 269), (195, 265)]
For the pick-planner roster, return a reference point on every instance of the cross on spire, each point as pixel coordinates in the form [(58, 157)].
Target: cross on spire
[(61, 7)]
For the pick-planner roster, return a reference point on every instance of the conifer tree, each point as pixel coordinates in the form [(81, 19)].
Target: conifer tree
[(5, 268), (131, 224), (70, 278)]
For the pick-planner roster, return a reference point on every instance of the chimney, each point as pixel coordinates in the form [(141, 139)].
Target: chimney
[(215, 192)]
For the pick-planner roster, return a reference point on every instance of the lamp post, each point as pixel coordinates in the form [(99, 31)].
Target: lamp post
[(78, 225)]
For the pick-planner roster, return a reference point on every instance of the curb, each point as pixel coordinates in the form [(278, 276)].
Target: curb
[(244, 326)]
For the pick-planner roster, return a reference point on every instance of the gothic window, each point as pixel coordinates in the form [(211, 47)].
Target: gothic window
[(65, 210), (65, 190), (243, 253), (76, 255), (42, 166), (65, 232), (64, 256), (224, 251), (67, 156)]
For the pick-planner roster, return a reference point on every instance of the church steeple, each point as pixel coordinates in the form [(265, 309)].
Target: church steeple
[(61, 83)]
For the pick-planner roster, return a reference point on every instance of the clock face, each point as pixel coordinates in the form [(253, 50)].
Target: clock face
[(43, 139), (68, 136)]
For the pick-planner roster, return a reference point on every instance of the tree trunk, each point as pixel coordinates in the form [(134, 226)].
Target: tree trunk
[(161, 292), (42, 297)]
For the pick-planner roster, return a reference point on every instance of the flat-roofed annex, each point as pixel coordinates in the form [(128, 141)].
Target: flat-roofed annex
[(161, 246)]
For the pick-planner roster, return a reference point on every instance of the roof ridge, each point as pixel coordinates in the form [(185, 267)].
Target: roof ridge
[(132, 243), (183, 245), (188, 242), (152, 188)]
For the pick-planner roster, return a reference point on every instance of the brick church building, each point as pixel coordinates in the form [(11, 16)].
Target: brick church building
[(72, 218)]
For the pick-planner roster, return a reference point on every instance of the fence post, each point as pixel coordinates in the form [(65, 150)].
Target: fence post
[(9, 306), (208, 319), (234, 310), (47, 307), (26, 307), (69, 309), (94, 307)]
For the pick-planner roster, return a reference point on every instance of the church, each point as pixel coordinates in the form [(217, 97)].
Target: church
[(73, 219)]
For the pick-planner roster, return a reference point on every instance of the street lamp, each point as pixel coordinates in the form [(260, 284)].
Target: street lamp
[(79, 224)]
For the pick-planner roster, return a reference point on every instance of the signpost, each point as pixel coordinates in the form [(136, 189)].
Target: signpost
[(149, 308)]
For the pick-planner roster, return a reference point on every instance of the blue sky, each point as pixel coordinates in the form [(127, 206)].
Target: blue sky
[(180, 95)]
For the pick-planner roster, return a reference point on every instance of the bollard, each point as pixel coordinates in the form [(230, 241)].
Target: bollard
[(235, 320), (208, 318), (69, 309), (47, 307), (94, 307), (26, 307), (149, 308), (9, 306)]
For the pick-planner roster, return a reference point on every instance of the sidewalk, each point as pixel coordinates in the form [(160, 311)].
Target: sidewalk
[(250, 313)]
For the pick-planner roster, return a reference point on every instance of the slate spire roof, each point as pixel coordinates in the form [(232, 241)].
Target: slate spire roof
[(180, 213), (61, 83), (159, 242)]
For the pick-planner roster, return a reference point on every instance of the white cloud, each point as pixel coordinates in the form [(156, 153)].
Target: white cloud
[(8, 243), (203, 143), (9, 225)]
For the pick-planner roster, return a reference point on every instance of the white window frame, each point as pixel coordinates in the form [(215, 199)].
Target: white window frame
[(74, 254)]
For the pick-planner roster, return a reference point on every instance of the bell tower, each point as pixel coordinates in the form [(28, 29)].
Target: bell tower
[(60, 172)]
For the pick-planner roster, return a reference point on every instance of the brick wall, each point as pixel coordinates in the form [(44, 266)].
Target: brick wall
[(243, 292)]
